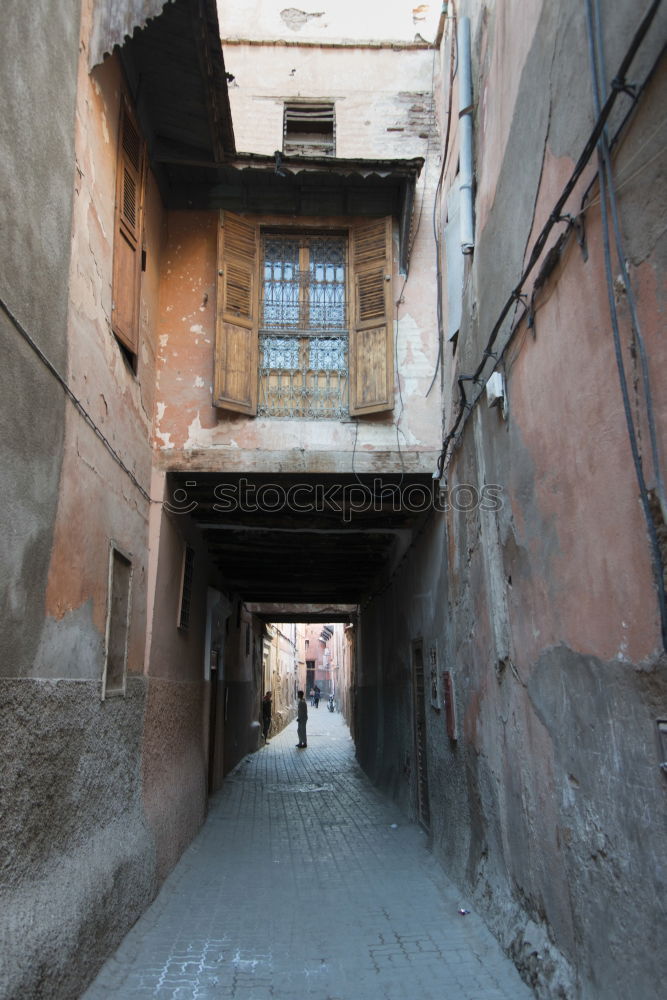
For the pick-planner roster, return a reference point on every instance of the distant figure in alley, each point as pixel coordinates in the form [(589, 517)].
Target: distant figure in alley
[(266, 714), (301, 719)]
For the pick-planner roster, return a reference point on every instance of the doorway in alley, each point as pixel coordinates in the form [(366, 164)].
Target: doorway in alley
[(273, 550), (419, 711)]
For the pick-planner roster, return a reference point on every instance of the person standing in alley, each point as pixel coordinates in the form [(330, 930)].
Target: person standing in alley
[(301, 719), (266, 714), (316, 697)]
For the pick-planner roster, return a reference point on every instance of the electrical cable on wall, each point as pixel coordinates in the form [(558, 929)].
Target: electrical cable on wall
[(608, 205), (576, 223), (605, 163), (74, 399), (556, 216)]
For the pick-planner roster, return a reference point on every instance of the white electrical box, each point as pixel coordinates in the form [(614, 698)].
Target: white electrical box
[(495, 391)]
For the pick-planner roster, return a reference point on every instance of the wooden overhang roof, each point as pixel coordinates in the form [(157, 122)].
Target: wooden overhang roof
[(175, 70), (337, 543), (322, 186)]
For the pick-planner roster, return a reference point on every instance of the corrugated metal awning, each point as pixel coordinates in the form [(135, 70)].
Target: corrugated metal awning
[(176, 73)]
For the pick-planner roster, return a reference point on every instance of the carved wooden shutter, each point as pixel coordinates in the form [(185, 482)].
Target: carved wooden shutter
[(127, 236), (372, 326), (236, 335)]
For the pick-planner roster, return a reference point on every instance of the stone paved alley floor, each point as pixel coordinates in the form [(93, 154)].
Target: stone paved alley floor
[(306, 882)]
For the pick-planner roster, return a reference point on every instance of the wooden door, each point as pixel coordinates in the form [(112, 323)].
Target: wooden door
[(419, 709)]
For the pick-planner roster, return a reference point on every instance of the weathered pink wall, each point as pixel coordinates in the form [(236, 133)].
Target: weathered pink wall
[(78, 808), (550, 808), (98, 500)]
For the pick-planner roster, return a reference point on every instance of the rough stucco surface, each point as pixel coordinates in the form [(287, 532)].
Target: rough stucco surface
[(173, 768), (77, 853), (644, 205), (269, 20), (38, 80), (384, 695), (550, 808), (611, 816), (94, 859)]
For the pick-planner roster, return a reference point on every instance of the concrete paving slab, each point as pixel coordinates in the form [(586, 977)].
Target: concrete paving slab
[(306, 882)]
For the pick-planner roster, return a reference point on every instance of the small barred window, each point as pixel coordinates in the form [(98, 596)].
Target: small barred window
[(309, 129)]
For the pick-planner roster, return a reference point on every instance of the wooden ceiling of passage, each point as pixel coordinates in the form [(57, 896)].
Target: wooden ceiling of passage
[(307, 540)]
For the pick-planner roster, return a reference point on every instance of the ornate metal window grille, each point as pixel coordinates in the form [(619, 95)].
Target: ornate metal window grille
[(303, 326)]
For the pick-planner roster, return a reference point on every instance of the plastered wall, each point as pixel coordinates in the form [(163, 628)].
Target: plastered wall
[(75, 835), (38, 118), (549, 809), (383, 110)]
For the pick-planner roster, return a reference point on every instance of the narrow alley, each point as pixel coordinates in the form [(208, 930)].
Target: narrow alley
[(334, 360), (305, 881)]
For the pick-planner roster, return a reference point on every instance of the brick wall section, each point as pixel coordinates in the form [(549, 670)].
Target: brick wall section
[(373, 118)]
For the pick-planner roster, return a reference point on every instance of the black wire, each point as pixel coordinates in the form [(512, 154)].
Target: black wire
[(605, 194), (398, 375), (620, 251), (70, 395), (638, 91), (556, 215)]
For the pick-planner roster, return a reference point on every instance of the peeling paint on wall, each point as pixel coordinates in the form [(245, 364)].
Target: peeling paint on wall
[(295, 19), (165, 439)]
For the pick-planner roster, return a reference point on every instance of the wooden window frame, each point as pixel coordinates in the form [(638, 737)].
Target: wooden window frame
[(128, 230), (371, 309), (371, 318), (294, 390), (117, 628)]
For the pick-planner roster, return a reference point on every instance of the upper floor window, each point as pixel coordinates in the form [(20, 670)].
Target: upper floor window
[(309, 129), (128, 233), (303, 325), (304, 319)]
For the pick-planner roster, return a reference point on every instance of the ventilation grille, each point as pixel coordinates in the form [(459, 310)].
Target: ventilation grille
[(309, 130)]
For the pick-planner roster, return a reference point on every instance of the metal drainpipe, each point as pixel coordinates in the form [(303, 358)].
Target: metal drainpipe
[(465, 133)]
